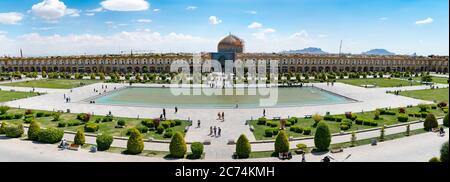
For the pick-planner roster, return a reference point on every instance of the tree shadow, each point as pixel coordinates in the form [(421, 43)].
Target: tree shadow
[(317, 152)]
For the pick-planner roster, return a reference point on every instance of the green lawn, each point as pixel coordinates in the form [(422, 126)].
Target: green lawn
[(435, 79), (259, 130), (104, 127), (53, 83), (6, 96), (429, 94), (379, 82)]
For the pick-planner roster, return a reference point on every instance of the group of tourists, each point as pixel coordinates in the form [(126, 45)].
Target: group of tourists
[(215, 131), (221, 116)]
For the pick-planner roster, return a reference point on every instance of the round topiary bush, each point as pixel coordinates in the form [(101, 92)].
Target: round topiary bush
[(135, 144), (402, 118), (446, 120), (14, 131), (121, 122), (104, 142), (142, 128), (197, 149), (262, 121), (444, 152), (79, 137), (306, 131), (33, 131), (177, 146), (430, 122), (160, 129), (243, 147), (3, 109), (434, 159), (322, 138), (50, 135), (91, 127), (281, 142), (3, 127), (268, 132)]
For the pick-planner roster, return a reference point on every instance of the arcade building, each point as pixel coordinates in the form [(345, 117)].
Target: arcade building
[(229, 48)]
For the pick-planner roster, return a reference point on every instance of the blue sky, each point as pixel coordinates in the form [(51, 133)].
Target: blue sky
[(65, 27)]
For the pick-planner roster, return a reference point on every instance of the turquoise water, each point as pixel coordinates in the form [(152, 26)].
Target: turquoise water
[(163, 97)]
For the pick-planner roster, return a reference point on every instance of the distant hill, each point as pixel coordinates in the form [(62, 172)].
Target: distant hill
[(309, 50), (382, 52)]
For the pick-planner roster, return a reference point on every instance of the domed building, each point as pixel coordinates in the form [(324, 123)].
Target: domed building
[(231, 44)]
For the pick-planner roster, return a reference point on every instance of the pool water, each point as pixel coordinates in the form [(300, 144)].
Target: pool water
[(163, 97)]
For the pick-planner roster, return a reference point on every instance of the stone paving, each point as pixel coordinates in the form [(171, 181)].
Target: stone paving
[(234, 124)]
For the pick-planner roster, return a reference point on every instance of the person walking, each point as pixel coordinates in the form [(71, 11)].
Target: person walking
[(264, 112), (215, 131), (218, 115), (210, 131), (223, 116), (198, 124), (176, 109), (220, 132), (164, 112), (303, 157)]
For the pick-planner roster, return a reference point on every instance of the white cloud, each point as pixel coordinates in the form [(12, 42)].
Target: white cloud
[(125, 5), (252, 12), (191, 8), (11, 18), (213, 20), (301, 34), (262, 33), (425, 21), (96, 10), (43, 28), (322, 35), (144, 21), (90, 14), (255, 25), (109, 22), (52, 10), (156, 10), (99, 44), (383, 18)]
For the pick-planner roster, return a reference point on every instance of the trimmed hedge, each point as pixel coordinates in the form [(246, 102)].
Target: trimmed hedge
[(148, 123), (306, 131), (3, 109), (160, 130), (444, 152), (243, 147), (121, 122), (197, 149), (268, 132), (177, 146), (50, 135), (3, 127), (402, 118), (104, 142), (91, 127), (142, 128), (14, 131)]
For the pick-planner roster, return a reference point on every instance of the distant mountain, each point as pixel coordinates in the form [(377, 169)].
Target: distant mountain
[(309, 50), (382, 52)]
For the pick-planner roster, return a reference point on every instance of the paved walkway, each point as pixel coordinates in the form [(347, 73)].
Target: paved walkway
[(417, 148), (234, 124)]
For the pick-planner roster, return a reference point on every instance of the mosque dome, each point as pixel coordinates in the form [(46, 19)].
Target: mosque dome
[(231, 44)]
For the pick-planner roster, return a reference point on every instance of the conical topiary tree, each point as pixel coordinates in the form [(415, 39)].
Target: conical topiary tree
[(382, 134), (177, 146), (446, 120), (135, 144), (430, 122), (243, 147), (444, 152), (282, 142), (322, 138), (353, 139), (33, 131), (79, 137)]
